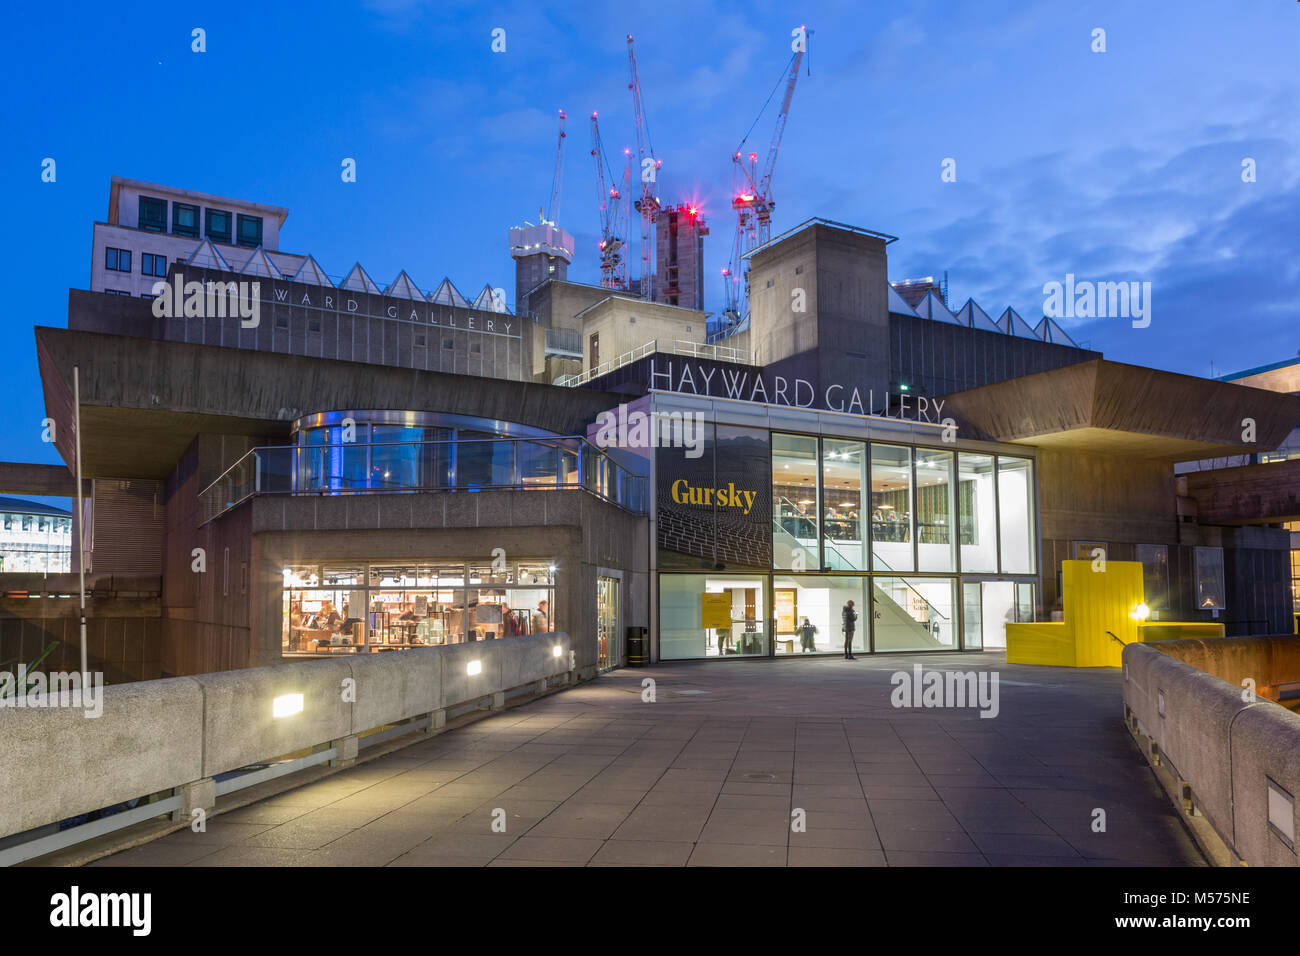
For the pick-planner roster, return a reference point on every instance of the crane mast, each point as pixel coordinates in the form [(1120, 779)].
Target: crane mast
[(648, 204), (613, 262), (557, 178), (753, 201)]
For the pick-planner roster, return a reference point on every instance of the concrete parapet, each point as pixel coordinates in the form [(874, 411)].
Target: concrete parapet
[(1186, 696)]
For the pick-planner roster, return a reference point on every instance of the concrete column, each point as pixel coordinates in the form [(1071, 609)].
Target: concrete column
[(347, 748), (199, 795), (437, 721)]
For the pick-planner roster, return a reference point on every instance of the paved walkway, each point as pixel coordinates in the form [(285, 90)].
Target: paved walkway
[(710, 772)]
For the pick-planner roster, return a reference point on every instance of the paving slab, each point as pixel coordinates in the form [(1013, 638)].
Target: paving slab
[(595, 776)]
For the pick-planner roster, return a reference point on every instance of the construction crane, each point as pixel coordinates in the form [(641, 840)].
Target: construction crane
[(648, 204), (613, 218), (557, 179), (753, 200)]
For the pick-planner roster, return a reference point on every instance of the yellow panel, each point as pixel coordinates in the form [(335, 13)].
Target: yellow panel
[(1177, 630), (1098, 604)]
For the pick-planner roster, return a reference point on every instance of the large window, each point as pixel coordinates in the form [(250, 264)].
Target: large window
[(1015, 514), (891, 508), (809, 613), (153, 214), (914, 614), (712, 616), (844, 538), (977, 532), (393, 605), (1210, 592), (934, 511), (795, 490)]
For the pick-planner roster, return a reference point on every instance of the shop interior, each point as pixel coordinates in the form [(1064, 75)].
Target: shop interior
[(370, 607)]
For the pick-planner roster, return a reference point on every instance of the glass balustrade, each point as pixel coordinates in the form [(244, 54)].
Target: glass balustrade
[(467, 464)]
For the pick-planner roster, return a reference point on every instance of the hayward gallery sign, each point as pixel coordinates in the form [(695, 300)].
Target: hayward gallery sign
[(710, 379)]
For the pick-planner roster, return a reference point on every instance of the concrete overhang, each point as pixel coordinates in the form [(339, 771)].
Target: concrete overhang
[(143, 401), (1108, 407)]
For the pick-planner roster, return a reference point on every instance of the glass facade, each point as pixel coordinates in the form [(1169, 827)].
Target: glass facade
[(893, 527), (373, 606)]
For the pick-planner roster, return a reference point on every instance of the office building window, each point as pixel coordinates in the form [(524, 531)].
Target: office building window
[(118, 292), (1210, 592), (250, 230), (185, 219), (153, 214), (117, 260), (217, 225), (152, 265)]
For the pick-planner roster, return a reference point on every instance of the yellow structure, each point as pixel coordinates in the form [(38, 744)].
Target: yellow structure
[(1098, 603)]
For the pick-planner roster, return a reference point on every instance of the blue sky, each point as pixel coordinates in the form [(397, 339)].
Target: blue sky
[(1123, 165)]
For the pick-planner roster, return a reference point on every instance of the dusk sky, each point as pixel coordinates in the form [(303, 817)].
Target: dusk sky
[(1122, 165)]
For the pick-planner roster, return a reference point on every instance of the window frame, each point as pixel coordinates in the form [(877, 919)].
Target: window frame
[(210, 233), (178, 229), (154, 225), (240, 220)]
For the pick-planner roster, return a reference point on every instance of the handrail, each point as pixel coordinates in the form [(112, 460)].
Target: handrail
[(934, 611), (641, 351)]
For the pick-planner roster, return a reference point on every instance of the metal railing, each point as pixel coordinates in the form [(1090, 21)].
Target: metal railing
[(641, 351), (465, 465)]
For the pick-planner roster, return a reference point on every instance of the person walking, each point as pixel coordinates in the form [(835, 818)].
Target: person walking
[(806, 632), (850, 617)]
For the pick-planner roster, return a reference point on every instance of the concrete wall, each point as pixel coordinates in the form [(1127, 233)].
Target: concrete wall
[(625, 324), (1186, 697), (157, 735)]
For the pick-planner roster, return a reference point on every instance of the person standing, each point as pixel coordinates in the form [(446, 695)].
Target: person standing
[(850, 617), (806, 632)]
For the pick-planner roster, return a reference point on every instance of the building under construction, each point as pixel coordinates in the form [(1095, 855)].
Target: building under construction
[(679, 245)]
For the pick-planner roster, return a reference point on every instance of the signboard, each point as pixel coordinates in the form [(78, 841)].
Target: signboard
[(715, 609), (714, 512)]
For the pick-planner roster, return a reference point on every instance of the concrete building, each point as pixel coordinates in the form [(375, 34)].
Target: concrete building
[(312, 491), (34, 537), (150, 227)]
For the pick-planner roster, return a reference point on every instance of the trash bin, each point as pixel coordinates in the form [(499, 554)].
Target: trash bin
[(638, 647)]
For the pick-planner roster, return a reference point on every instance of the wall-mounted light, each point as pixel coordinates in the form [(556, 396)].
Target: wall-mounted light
[(557, 651), (286, 705), (475, 667), (1141, 612)]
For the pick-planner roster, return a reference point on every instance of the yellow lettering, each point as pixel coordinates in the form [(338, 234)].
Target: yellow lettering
[(678, 495)]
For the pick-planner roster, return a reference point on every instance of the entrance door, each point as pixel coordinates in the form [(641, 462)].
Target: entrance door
[(989, 606), (607, 618)]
